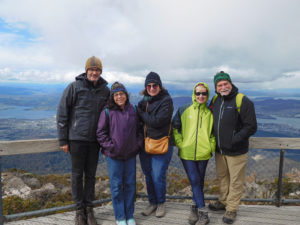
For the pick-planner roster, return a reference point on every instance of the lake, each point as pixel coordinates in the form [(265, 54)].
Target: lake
[(18, 112), (293, 122)]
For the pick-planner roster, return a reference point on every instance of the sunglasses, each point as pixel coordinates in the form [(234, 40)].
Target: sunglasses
[(154, 86), (201, 93)]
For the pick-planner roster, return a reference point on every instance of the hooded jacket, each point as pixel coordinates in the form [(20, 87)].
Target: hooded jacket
[(79, 109), (118, 133), (192, 130), (231, 128), (159, 115)]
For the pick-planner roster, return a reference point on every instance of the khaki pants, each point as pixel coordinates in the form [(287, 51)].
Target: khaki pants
[(231, 173)]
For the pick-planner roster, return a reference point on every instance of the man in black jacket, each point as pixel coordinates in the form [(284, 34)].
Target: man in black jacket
[(234, 123), (77, 117)]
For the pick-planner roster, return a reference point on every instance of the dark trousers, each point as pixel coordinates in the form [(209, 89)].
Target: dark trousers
[(195, 171), (84, 159)]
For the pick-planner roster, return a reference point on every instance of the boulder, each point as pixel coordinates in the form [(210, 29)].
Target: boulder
[(16, 186)]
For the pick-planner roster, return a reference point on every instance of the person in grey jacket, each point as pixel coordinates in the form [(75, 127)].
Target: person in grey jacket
[(77, 118)]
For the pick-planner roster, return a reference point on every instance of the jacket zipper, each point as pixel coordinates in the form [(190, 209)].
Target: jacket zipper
[(197, 130), (219, 120)]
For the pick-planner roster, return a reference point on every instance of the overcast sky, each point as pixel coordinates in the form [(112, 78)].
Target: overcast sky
[(256, 41)]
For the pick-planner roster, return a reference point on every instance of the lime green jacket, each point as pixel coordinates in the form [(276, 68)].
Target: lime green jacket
[(192, 129)]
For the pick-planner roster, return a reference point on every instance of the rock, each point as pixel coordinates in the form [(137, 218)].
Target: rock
[(16, 186), (187, 191), (32, 182), (65, 190), (45, 192)]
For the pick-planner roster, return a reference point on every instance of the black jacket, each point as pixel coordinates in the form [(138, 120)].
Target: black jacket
[(79, 109), (231, 128), (159, 115)]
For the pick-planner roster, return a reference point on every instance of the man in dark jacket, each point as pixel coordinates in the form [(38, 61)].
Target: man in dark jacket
[(234, 123), (77, 117)]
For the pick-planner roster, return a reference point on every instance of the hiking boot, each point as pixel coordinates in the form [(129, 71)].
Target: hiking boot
[(216, 206), (193, 217), (203, 218), (161, 210), (91, 220), (150, 209), (80, 218), (229, 217)]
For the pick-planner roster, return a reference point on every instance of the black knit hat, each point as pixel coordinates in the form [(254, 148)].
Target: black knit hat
[(153, 77), (115, 87)]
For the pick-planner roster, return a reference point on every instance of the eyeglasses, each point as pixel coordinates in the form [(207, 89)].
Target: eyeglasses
[(120, 93), (201, 93), (154, 86)]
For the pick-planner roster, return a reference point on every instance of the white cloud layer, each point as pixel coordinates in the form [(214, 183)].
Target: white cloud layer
[(256, 41)]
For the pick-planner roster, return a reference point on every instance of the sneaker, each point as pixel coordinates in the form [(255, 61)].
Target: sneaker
[(216, 206), (229, 217), (80, 218), (131, 222), (193, 217), (203, 218), (121, 222), (150, 209), (91, 220), (161, 210)]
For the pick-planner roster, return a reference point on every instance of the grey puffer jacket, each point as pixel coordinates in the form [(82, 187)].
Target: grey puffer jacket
[(79, 109)]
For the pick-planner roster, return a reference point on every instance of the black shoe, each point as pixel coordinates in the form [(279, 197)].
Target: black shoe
[(80, 218), (216, 206), (91, 220)]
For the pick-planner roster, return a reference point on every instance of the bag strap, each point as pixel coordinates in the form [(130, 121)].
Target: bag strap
[(238, 101), (145, 124)]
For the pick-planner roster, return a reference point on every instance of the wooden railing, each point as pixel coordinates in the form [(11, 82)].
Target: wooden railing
[(51, 145)]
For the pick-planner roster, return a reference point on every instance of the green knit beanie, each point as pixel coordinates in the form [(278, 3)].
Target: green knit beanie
[(221, 76)]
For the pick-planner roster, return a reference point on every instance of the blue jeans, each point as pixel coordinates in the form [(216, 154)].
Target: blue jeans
[(195, 171), (122, 186), (155, 168)]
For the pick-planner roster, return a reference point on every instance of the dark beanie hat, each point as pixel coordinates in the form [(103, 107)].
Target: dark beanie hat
[(221, 76), (153, 77), (115, 87)]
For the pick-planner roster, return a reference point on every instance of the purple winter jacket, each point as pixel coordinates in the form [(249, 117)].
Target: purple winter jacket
[(120, 137)]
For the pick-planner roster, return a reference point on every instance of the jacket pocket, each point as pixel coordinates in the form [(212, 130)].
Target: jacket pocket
[(81, 124)]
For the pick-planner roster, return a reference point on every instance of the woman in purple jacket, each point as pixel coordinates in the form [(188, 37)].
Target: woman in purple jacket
[(119, 135)]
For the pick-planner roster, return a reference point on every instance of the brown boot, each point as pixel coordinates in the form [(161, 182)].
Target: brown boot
[(91, 220), (149, 210), (203, 218), (193, 217), (80, 218), (229, 217), (161, 210)]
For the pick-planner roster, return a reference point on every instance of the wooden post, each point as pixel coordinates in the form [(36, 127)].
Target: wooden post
[(279, 190), (1, 208)]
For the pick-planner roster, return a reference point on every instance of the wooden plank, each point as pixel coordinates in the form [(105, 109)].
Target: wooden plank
[(28, 146), (177, 214), (275, 143), (51, 145)]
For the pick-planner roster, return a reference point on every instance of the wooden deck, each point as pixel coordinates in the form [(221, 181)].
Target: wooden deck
[(177, 213)]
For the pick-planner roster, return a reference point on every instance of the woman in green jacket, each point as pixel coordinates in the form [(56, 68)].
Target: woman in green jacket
[(192, 129)]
